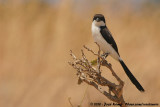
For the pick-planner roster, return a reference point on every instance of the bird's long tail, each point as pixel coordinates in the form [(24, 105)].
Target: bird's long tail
[(131, 77)]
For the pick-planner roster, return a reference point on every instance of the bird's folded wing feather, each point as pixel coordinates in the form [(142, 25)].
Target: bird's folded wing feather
[(108, 37)]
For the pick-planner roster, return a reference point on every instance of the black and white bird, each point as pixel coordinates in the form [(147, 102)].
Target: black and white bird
[(103, 37)]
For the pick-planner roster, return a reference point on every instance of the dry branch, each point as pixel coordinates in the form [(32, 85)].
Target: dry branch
[(86, 72)]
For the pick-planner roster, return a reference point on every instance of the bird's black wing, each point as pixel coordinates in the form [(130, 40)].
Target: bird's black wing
[(108, 37)]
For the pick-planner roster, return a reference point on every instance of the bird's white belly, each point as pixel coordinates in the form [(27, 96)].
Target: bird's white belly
[(105, 47)]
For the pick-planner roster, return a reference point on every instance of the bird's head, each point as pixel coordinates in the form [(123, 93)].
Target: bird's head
[(99, 20)]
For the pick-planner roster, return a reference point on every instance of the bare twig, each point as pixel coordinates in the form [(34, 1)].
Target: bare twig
[(69, 99), (92, 76)]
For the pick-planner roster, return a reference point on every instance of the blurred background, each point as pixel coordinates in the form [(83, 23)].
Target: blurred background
[(36, 36)]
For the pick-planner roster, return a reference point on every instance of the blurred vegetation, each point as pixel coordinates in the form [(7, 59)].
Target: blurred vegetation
[(35, 39)]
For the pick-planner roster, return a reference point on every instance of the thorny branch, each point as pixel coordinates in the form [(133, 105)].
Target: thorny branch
[(86, 72)]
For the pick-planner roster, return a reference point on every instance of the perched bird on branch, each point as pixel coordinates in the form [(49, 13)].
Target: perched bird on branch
[(103, 37)]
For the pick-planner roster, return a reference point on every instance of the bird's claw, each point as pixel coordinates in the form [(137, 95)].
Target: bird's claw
[(105, 55)]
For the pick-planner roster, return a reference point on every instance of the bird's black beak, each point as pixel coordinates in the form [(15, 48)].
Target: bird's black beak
[(98, 20)]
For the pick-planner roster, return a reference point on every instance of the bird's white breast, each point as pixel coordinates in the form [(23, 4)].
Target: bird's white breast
[(105, 47)]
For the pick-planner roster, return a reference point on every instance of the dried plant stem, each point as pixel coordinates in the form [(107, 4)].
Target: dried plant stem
[(92, 76)]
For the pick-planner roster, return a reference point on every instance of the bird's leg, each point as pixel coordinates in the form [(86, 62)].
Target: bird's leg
[(105, 55)]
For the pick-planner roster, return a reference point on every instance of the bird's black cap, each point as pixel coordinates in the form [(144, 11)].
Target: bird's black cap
[(100, 17)]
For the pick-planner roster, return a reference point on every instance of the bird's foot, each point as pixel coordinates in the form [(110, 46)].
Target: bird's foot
[(105, 55)]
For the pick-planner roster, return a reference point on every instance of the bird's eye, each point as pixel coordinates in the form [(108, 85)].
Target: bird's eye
[(97, 19)]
